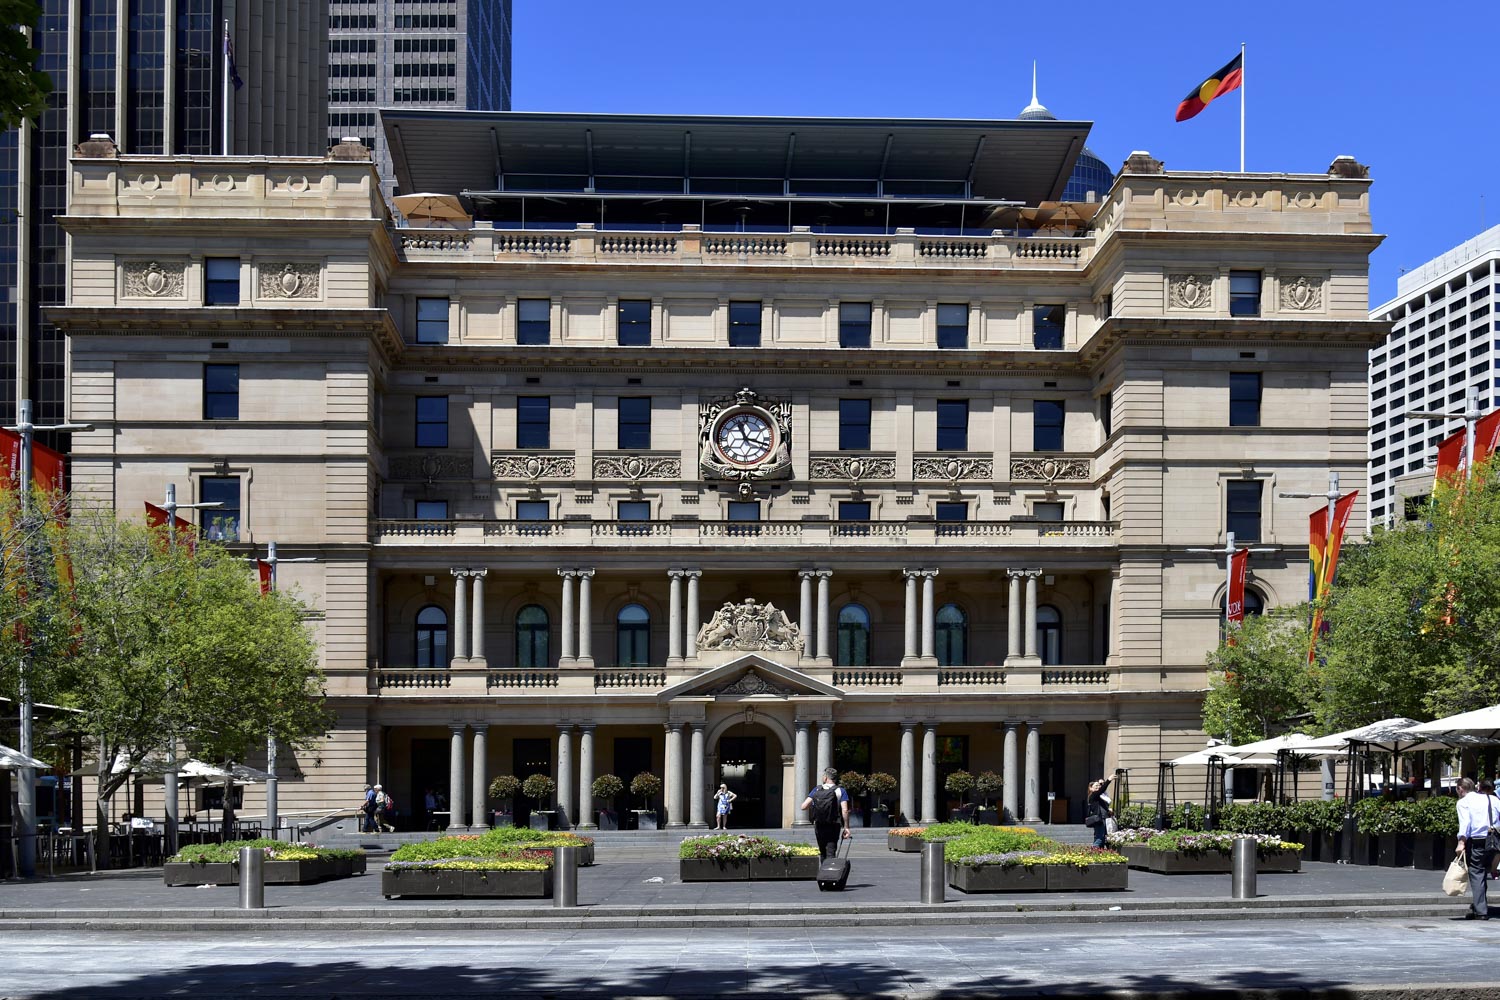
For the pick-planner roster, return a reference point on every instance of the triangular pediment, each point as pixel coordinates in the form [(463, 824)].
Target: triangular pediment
[(751, 676)]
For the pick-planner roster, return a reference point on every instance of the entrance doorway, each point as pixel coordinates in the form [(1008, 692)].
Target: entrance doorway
[(742, 766), (530, 756), (430, 760)]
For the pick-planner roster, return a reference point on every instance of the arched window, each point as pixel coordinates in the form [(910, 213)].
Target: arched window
[(633, 636), (854, 636), (1049, 635), (432, 637), (1255, 605), (952, 636), (531, 637)]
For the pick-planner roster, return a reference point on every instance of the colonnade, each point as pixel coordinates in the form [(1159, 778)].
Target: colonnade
[(468, 630)]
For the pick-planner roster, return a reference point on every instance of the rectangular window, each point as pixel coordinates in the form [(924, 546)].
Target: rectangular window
[(1242, 503), (221, 392), (634, 431), (950, 517), (854, 324), (221, 281), (1047, 511), (534, 510), (432, 510), (1244, 399), (221, 523), (432, 321), (856, 516), (952, 327), (1047, 425), (854, 424), (1107, 413), (534, 422), (953, 425), (1244, 293), (534, 326), (634, 327), (744, 324), (633, 510), (432, 421), (744, 516), (1047, 327)]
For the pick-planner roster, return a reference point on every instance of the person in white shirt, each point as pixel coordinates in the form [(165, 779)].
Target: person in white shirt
[(1478, 811)]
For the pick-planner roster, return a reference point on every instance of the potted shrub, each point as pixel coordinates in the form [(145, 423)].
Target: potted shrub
[(605, 788), (880, 785), (505, 788), (539, 788), (960, 784), (1436, 836), (645, 787), (987, 785), (853, 784)]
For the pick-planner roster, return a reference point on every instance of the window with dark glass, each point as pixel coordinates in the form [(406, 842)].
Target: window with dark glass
[(856, 515), (1244, 293), (634, 431), (853, 637), (744, 517), (221, 281), (432, 421), (744, 324), (432, 321), (1107, 413), (221, 523), (432, 638), (854, 424), (531, 638), (952, 326), (854, 324), (1049, 635), (1047, 425), (1047, 511), (1244, 399), (953, 425), (533, 510), (950, 517), (634, 326), (1047, 327), (633, 637), (1242, 503), (534, 325), (221, 392), (534, 422), (952, 635), (633, 510)]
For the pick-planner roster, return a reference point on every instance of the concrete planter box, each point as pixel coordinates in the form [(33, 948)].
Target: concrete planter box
[(987, 816), (707, 870), (419, 884), (880, 818), (541, 820), (1066, 878), (1395, 849), (904, 845), (276, 872), (608, 820), (645, 819), (1432, 852), (1209, 863), (783, 869), (997, 878), (214, 873)]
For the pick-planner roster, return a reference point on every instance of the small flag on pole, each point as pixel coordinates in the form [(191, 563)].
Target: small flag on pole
[(263, 569), (1225, 80), (234, 73)]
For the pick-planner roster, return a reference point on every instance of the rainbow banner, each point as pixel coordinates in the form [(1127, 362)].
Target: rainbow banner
[(1324, 557)]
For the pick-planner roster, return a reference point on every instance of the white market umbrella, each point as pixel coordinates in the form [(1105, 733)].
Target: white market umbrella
[(1483, 723), (1297, 744), (1221, 755), (1394, 736), (15, 760), (429, 205)]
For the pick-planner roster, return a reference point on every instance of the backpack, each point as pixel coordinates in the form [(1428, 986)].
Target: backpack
[(825, 805), (387, 803)]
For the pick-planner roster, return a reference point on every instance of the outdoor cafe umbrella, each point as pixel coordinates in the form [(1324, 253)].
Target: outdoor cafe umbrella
[(1482, 723), (1290, 748), (1220, 755), (15, 760), (427, 205)]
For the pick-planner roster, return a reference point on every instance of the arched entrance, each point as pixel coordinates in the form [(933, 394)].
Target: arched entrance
[(749, 756)]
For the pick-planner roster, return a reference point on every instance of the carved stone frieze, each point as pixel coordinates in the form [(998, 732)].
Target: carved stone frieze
[(1050, 470), (532, 467), (430, 467), (749, 626), (1302, 293), (854, 468), (952, 469), (151, 279), (750, 683), (637, 467), (1190, 291), (290, 280)]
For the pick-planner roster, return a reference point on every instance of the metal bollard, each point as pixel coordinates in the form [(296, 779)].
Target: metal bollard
[(1242, 877), (934, 873), (564, 876), (252, 878)]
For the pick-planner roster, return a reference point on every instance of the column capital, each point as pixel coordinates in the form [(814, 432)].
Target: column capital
[(1034, 723), (930, 573), (825, 725), (931, 725), (564, 728), (691, 574), (587, 727), (567, 574), (696, 727), (672, 726), (1011, 725), (478, 571), (581, 573), (1016, 574), (823, 574), (457, 728), (802, 725), (911, 574), (675, 573), (806, 574), (460, 571), (908, 726), (1033, 573)]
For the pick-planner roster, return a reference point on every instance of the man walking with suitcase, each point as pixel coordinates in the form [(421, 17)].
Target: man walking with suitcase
[(828, 808)]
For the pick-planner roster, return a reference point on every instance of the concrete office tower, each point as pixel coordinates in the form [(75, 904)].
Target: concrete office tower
[(396, 54), (1442, 343), (150, 74)]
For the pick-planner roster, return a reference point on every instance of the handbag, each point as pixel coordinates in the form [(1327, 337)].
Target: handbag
[(1456, 878), (1492, 841)]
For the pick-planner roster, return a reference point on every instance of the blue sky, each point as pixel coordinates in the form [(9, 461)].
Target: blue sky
[(1376, 80)]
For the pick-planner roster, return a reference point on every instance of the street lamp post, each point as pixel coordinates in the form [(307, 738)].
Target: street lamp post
[(26, 777), (1470, 417), (272, 816)]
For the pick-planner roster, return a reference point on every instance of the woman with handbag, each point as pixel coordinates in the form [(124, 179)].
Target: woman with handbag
[(1096, 812), (1478, 841)]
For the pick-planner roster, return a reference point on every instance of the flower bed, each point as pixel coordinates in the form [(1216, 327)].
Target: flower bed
[(1191, 852), (498, 843), (1018, 859), (905, 839), (728, 858), (285, 864), (519, 873)]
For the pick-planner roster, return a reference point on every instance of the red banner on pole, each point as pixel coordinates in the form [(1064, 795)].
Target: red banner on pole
[(264, 569), (157, 517), (48, 466), (1330, 561), (1486, 437), (1238, 563), (1449, 457)]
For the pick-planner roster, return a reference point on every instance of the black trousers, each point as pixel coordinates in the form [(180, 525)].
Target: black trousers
[(1479, 874), (828, 835)]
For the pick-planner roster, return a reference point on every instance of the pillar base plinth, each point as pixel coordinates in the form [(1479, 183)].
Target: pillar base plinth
[(588, 826), (584, 662), (479, 828), (674, 661), (801, 822), (477, 663), (677, 826), (1022, 661), (1032, 820), (697, 826), (823, 661), (927, 822)]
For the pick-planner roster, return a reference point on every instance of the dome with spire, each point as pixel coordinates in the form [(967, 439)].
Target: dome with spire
[(1035, 111), (1091, 178)]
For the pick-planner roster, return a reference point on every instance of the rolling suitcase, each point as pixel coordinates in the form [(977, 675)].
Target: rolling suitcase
[(833, 872)]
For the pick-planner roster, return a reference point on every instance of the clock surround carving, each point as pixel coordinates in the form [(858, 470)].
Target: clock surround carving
[(745, 439)]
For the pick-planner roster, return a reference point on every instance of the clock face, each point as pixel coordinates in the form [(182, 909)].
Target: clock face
[(744, 439)]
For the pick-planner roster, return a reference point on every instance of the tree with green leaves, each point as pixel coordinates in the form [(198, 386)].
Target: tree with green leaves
[(23, 87), (1258, 679)]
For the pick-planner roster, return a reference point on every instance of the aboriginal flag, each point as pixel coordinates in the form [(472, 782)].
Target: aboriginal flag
[(1217, 85)]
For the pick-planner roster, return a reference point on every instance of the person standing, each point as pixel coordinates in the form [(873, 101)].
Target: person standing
[(723, 803), (828, 807), (1096, 813), (1478, 813)]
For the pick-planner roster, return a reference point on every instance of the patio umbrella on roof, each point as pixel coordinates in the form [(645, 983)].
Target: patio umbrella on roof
[(1482, 723), (15, 760), (428, 205)]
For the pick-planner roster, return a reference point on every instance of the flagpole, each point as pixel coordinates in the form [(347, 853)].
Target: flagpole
[(224, 53), (1242, 107)]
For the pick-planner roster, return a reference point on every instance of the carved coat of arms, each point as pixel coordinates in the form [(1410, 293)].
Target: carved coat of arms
[(749, 627)]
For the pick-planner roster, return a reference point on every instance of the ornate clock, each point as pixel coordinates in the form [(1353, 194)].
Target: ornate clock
[(744, 438)]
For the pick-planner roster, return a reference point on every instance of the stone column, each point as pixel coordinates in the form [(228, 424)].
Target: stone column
[(1030, 627), (480, 791), (460, 614), (801, 767), (908, 777), (805, 621), (1013, 626), (694, 613), (825, 749), (456, 776), (929, 614), (586, 777), (586, 615), (1034, 773), (697, 793), (1011, 774), (910, 649), (824, 630), (476, 641), (565, 775), (569, 620), (674, 618), (674, 774), (929, 773)]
